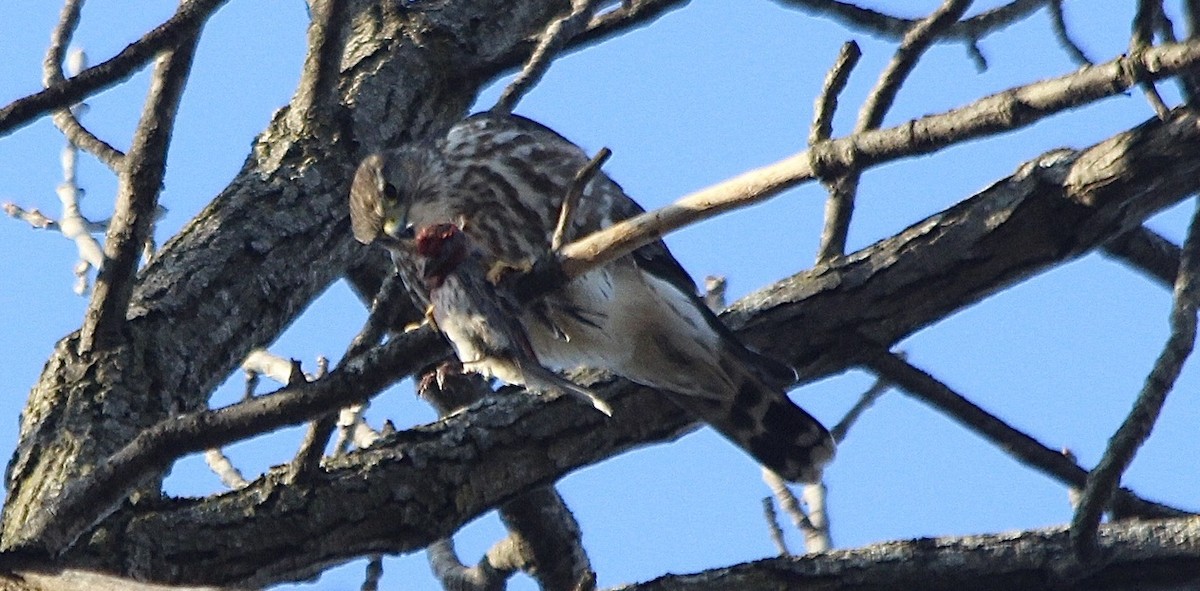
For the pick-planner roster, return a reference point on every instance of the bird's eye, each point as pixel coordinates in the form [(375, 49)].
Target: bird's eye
[(390, 193)]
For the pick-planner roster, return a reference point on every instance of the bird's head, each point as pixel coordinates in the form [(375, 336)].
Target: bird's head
[(442, 247), (383, 193)]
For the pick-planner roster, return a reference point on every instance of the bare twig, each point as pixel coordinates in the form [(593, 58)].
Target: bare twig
[(52, 74), (816, 539), (176, 31), (1022, 447), (565, 214), (1142, 38), (501, 561), (544, 538), (865, 401), (550, 42), (312, 447), (219, 463), (137, 197), (629, 15), (1133, 432), (33, 217), (835, 82), (843, 189), (768, 504), (893, 27), (1064, 36), (1011, 109)]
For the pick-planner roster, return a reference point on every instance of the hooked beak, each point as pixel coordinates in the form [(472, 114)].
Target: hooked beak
[(396, 231)]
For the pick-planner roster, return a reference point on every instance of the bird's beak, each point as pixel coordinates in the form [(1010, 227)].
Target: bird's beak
[(396, 230)]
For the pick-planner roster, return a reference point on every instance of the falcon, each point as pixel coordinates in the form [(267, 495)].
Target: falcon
[(504, 178), (480, 322)]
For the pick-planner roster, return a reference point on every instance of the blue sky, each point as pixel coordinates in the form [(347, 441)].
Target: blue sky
[(703, 94)]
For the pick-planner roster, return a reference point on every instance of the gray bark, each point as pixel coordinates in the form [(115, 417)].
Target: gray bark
[(279, 235)]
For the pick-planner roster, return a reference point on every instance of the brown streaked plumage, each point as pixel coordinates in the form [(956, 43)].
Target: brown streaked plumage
[(479, 321), (504, 178)]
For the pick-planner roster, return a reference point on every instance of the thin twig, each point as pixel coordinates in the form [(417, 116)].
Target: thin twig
[(1020, 107), (140, 181), (628, 16), (865, 401), (316, 439), (52, 74), (1134, 431), (892, 27), (175, 31), (816, 539), (843, 189), (550, 42), (768, 504), (219, 463), (1020, 446), (1143, 38), (835, 83), (565, 214), (1059, 23), (494, 569), (715, 287)]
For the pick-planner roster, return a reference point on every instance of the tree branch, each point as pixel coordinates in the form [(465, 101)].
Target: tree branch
[(1020, 446), (1154, 556), (1134, 431), (844, 188), (139, 183), (116, 69), (52, 74), (891, 27), (1147, 251), (1012, 109), (1074, 203)]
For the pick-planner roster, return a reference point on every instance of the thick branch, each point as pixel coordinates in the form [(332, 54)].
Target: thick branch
[(1154, 556), (1050, 211), (252, 260)]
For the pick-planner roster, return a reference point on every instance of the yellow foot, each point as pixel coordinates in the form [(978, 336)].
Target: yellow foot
[(502, 269)]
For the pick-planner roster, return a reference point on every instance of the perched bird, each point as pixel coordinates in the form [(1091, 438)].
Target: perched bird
[(479, 321), (639, 316)]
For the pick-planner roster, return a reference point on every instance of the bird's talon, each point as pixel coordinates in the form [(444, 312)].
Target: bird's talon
[(502, 269)]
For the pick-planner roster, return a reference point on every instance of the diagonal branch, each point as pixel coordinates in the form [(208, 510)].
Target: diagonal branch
[(892, 27), (1147, 251), (1075, 202), (1136, 428), (843, 189), (1009, 110), (172, 32), (550, 42), (137, 196), (1019, 445), (52, 74)]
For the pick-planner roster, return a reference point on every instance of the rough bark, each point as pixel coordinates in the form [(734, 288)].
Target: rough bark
[(278, 236), (1140, 555), (260, 252), (420, 485)]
